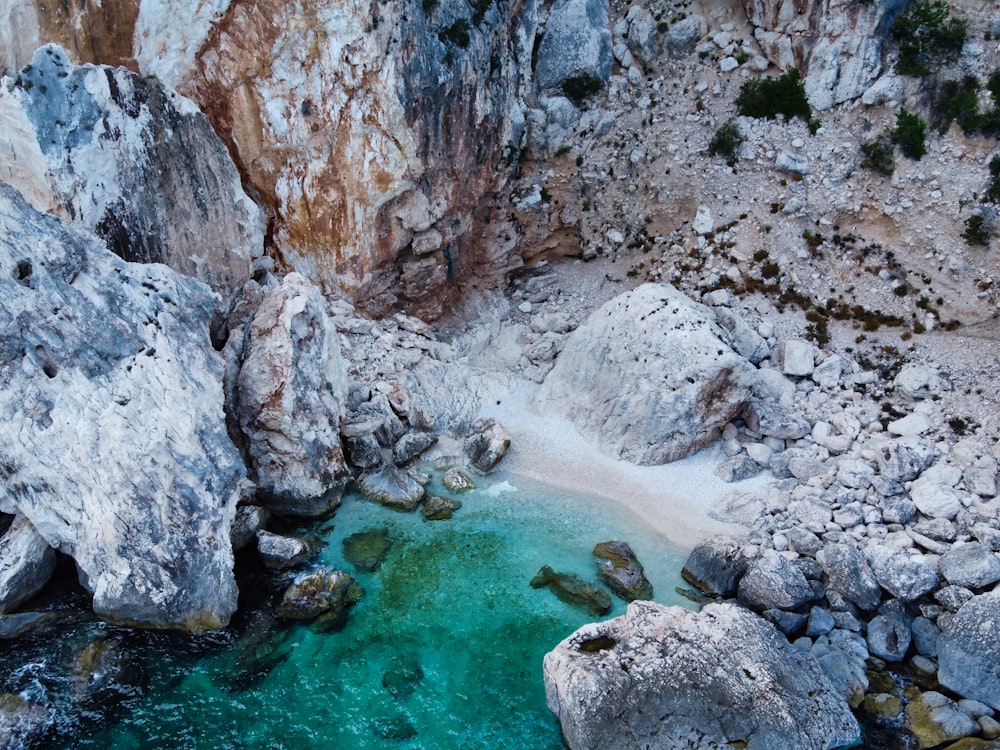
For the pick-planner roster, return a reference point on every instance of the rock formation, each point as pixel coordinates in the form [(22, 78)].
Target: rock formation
[(669, 678), (114, 444), (26, 562), (648, 377), (137, 164)]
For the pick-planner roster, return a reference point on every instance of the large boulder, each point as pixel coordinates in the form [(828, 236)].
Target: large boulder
[(772, 582), (849, 574), (138, 165), (971, 565), (669, 678), (648, 377), (321, 596), (26, 562), (112, 434), (969, 650), (621, 571), (716, 565), (577, 41), (289, 400), (903, 575)]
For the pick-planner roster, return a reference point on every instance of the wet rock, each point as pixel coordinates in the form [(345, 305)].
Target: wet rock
[(969, 650), (577, 41), (437, 508), (457, 480), (772, 582), (391, 487), (282, 552), (486, 444), (573, 590), (653, 334), (14, 626), (22, 723), (888, 638), (366, 550), (402, 677), (621, 571), (716, 565), (412, 445), (249, 520), (848, 573), (971, 565), (323, 596), (26, 563), (363, 451), (705, 672), (107, 675), (934, 719)]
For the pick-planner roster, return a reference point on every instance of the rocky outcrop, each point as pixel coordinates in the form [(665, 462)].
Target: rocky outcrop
[(621, 571), (138, 165), (577, 42), (837, 44), (289, 400), (112, 434), (26, 562), (969, 650), (722, 676), (648, 377)]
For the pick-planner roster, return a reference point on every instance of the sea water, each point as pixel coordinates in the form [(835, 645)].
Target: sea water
[(443, 651)]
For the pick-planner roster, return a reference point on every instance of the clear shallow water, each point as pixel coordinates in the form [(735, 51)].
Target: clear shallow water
[(449, 622)]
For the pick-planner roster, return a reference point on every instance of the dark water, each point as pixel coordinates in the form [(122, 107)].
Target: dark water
[(444, 651)]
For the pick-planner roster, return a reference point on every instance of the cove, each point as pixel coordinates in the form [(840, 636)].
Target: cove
[(444, 650)]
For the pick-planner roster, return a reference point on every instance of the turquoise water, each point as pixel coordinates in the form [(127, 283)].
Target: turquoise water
[(444, 650)]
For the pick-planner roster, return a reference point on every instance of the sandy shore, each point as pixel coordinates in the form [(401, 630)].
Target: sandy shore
[(674, 499)]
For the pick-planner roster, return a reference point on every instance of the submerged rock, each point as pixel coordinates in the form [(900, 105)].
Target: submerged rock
[(22, 723), (438, 508), (392, 487), (457, 480), (603, 378), (113, 439), (621, 571), (573, 590), (26, 563), (324, 596), (721, 677), (366, 550), (403, 676)]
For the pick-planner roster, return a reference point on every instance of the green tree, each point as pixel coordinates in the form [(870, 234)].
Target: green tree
[(909, 135), (769, 97), (926, 36)]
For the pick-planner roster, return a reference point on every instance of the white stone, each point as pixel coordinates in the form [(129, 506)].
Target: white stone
[(911, 424)]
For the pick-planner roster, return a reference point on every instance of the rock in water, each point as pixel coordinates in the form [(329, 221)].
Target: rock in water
[(392, 487), (486, 444), (290, 397), (26, 562), (366, 550), (112, 433), (669, 678), (437, 508), (141, 167), (648, 377), (621, 571), (323, 595), (573, 590), (457, 480)]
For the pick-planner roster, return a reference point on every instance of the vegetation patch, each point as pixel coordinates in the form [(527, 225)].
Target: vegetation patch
[(770, 97), (457, 33), (581, 87), (910, 134), (878, 156), (726, 141), (976, 231), (927, 37)]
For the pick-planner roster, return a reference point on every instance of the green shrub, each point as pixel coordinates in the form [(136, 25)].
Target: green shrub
[(993, 84), (926, 36), (726, 141), (909, 135), (429, 6), (769, 97), (957, 101), (878, 157), (581, 87), (457, 33), (479, 8), (976, 232)]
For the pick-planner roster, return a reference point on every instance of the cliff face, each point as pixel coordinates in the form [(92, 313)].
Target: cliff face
[(369, 131)]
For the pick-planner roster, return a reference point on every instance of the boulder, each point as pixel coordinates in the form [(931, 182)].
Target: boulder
[(411, 445), (14, 626), (437, 508), (457, 480), (621, 571), (282, 552), (324, 596), (648, 377), (722, 677), (774, 420), (921, 381), (971, 565), (905, 576), (23, 723), (744, 340), (486, 444), (683, 35), (392, 487), (848, 573), (363, 451), (716, 565), (888, 638), (738, 468), (796, 357), (289, 400), (112, 409), (249, 520), (573, 590), (969, 650), (935, 500), (26, 563), (772, 582), (577, 41), (366, 550), (934, 719), (903, 460)]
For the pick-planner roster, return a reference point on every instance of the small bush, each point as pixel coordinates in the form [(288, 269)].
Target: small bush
[(909, 135), (878, 157), (957, 101), (726, 141), (581, 87), (926, 37), (976, 232), (429, 6), (993, 191), (769, 97), (458, 33)]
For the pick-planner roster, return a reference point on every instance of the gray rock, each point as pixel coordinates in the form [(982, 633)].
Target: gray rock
[(969, 650), (921, 381), (811, 514), (437, 508), (981, 478), (249, 520), (391, 487), (935, 500), (716, 565), (23, 724), (457, 480), (774, 420), (703, 671), (744, 340), (820, 622), (772, 582), (970, 565), (846, 674), (577, 41), (828, 372), (805, 468), (738, 468), (14, 626), (897, 509), (642, 36), (925, 636), (952, 597), (290, 398), (364, 451), (849, 574), (653, 334), (411, 445), (26, 563), (904, 459), (796, 357), (486, 444), (282, 552), (905, 576), (124, 371), (683, 35), (324, 596), (788, 623), (855, 474), (621, 571), (888, 638), (939, 529), (573, 590), (804, 541), (935, 719)]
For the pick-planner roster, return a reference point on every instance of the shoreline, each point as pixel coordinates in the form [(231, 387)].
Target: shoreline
[(551, 450)]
